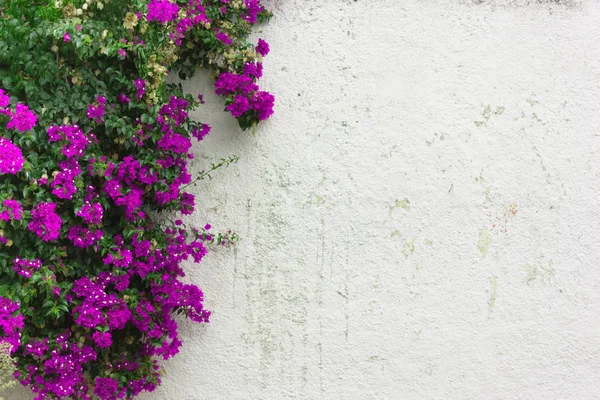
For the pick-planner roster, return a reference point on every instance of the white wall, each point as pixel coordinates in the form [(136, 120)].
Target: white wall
[(419, 219)]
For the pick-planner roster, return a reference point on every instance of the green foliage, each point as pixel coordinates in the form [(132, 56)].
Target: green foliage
[(97, 70)]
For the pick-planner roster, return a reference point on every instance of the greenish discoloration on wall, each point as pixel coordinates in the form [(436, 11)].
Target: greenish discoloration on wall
[(487, 113), (484, 241), (538, 272), (409, 247), (493, 293), (404, 204)]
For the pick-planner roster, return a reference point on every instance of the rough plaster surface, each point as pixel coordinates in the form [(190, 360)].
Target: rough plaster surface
[(420, 218)]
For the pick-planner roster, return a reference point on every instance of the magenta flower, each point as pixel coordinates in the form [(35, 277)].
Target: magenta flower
[(4, 99), (263, 103), (139, 86), (162, 11), (253, 8), (13, 210), (11, 325), (96, 110), (223, 38), (122, 98), (239, 106), (66, 37), (45, 222), (26, 267), (22, 119), (262, 48), (107, 389), (74, 140), (11, 157), (102, 339), (227, 83), (200, 133)]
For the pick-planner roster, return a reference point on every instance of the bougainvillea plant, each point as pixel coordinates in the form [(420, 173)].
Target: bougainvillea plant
[(94, 146)]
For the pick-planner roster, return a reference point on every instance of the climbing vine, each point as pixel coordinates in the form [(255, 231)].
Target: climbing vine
[(94, 146)]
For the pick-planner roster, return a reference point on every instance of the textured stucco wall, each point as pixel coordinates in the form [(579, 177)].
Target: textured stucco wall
[(420, 218)]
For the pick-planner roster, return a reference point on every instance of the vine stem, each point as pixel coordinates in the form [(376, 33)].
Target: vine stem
[(213, 167)]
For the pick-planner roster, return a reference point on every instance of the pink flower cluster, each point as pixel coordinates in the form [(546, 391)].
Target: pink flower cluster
[(61, 375), (45, 222), (22, 119), (12, 210), (96, 110), (195, 15), (246, 95), (74, 140), (11, 157), (26, 267), (162, 11), (10, 323)]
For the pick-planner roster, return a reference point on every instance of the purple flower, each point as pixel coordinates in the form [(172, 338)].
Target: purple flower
[(26, 267), (127, 170), (202, 132), (102, 339), (262, 48), (162, 11), (45, 222), (239, 106), (223, 38), (4, 99), (11, 325), (14, 210), (74, 140), (96, 110), (91, 213), (22, 119), (176, 110), (107, 388), (122, 53), (263, 103), (63, 184), (226, 83), (66, 37), (36, 348), (187, 203), (246, 85), (139, 86), (174, 142), (83, 237), (122, 98), (11, 157), (253, 8), (253, 70)]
